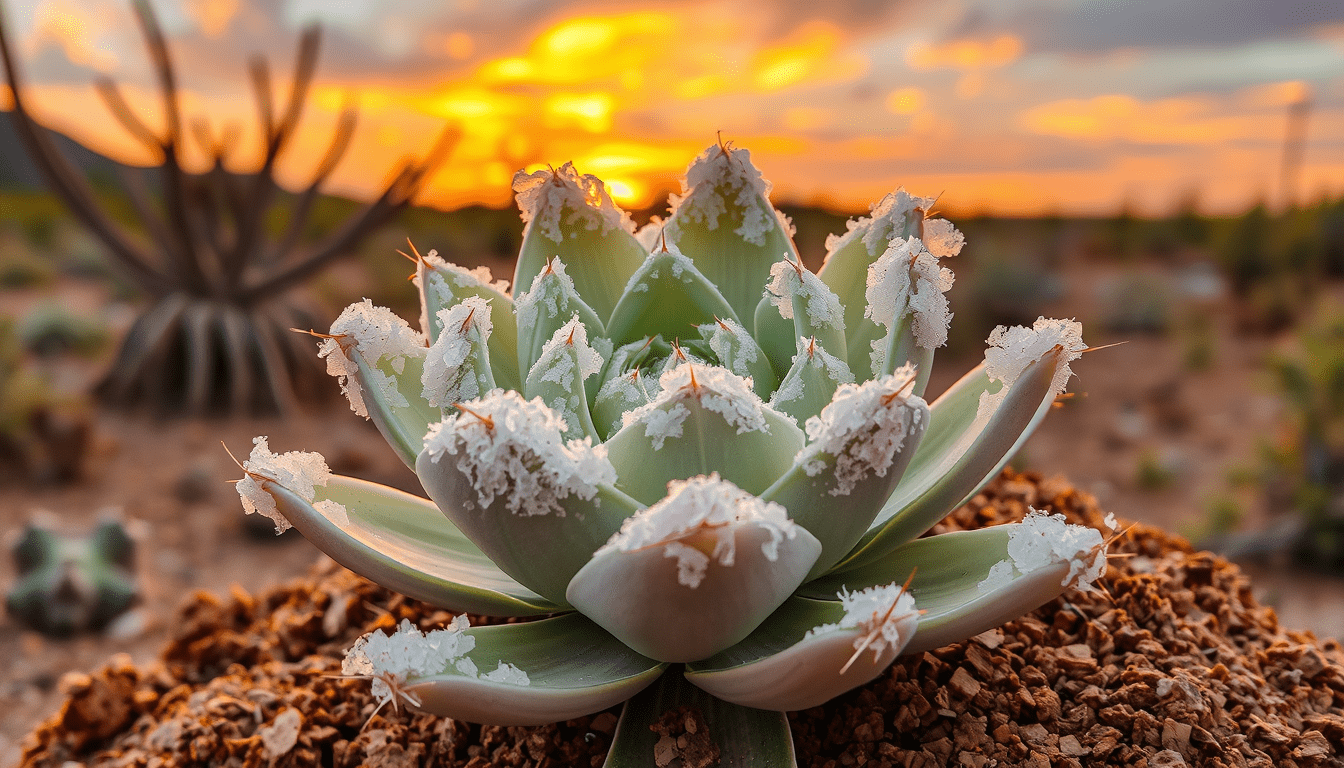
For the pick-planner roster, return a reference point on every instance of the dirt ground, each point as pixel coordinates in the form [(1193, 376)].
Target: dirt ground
[(1135, 403)]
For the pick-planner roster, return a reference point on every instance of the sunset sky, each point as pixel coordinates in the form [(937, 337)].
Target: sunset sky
[(1010, 106)]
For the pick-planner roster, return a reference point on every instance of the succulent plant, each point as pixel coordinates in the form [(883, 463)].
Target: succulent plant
[(70, 584), (704, 465)]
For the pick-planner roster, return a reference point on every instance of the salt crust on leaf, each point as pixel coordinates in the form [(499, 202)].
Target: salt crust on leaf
[(718, 390), (1043, 540), (823, 306), (818, 358), (887, 220), (877, 613), (552, 289), (448, 376), (906, 279), (628, 390), (1011, 350), (562, 357), (942, 239), (565, 198), (862, 428), (719, 176), (702, 503), (556, 359), (433, 269), (378, 334), (512, 448), (393, 659), (298, 471), (735, 349), (682, 267)]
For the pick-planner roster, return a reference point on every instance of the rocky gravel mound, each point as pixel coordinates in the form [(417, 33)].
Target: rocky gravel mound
[(1173, 663)]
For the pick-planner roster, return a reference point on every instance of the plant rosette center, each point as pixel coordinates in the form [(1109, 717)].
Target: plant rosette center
[(702, 469)]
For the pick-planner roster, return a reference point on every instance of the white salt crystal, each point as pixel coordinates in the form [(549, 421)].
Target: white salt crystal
[(789, 279), (512, 448), (701, 504), (1011, 350), (377, 334), (720, 176), (907, 279), (298, 471), (449, 375), (560, 199), (878, 613), (863, 428)]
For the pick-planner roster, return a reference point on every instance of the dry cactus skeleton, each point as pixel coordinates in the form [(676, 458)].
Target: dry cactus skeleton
[(705, 465), (214, 335)]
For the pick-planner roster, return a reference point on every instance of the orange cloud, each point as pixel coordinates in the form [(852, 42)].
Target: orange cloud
[(1182, 120), (965, 55)]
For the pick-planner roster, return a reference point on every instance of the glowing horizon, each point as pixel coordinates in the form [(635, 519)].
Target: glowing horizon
[(837, 107)]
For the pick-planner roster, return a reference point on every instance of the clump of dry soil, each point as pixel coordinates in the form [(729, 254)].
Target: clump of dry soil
[(1175, 664)]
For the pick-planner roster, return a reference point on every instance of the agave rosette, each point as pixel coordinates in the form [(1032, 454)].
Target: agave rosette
[(696, 462)]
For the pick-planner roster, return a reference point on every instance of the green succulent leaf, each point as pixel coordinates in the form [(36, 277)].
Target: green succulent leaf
[(845, 271), (443, 285), (858, 452), (746, 738), (558, 375), (667, 296), (571, 215), (811, 381), (948, 571), (898, 348), (542, 551), (703, 420), (815, 310), (390, 392), (573, 668), (456, 367), (617, 396), (775, 335), (648, 598), (548, 305), (960, 454), (735, 349), (537, 505), (405, 544), (724, 222), (806, 653)]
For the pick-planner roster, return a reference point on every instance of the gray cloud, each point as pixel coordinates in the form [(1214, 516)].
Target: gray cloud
[(1097, 27)]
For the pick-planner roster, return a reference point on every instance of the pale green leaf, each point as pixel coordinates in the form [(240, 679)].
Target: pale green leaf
[(667, 296), (948, 570), (645, 598), (402, 426), (405, 544), (647, 454), (574, 668), (959, 455), (442, 285), (779, 667), (541, 551)]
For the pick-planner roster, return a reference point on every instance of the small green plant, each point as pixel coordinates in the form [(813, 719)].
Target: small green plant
[(51, 329), (1309, 466), (1153, 474), (709, 466), (68, 584)]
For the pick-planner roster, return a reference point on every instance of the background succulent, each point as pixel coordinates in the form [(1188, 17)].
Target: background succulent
[(708, 466)]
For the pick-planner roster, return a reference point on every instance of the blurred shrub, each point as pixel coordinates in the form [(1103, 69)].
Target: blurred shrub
[(51, 329), (44, 434), (1305, 471)]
